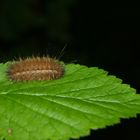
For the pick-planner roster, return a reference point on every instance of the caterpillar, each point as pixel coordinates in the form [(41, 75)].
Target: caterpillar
[(36, 69)]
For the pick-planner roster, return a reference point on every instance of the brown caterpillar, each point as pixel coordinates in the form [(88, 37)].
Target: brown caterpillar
[(36, 69)]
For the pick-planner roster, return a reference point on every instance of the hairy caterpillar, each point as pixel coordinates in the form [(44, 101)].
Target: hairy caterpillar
[(36, 69)]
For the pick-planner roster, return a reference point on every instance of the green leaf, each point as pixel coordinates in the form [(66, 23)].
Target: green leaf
[(83, 99)]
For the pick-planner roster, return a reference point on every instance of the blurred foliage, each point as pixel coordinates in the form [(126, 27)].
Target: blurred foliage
[(18, 17)]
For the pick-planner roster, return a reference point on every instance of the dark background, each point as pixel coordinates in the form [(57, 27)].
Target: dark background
[(94, 36)]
